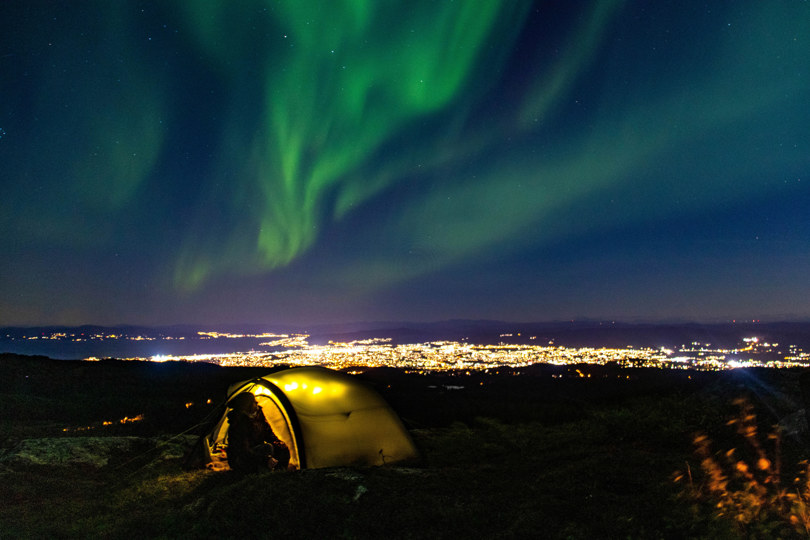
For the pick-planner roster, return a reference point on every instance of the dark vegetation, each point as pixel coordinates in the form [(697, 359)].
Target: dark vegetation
[(556, 452)]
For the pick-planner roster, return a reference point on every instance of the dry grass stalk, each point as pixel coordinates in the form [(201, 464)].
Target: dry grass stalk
[(745, 484)]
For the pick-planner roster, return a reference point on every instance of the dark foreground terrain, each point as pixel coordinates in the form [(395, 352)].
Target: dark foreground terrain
[(95, 449)]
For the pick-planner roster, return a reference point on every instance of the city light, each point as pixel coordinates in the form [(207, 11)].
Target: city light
[(272, 349), (462, 356)]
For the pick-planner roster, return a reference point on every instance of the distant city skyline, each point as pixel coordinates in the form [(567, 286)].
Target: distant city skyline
[(510, 350), (310, 163)]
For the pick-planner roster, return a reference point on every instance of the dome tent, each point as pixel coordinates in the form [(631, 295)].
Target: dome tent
[(325, 417)]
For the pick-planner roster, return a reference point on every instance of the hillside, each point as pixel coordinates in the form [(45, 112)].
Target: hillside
[(571, 456)]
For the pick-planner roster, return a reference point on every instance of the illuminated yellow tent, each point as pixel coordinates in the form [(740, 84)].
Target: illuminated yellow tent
[(327, 419)]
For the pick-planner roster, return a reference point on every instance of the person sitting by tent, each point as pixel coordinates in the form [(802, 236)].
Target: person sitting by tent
[(252, 445)]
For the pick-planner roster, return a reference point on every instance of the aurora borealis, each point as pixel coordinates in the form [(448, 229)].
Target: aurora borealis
[(302, 162)]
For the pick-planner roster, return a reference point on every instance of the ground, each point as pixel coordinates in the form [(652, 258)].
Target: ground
[(542, 454)]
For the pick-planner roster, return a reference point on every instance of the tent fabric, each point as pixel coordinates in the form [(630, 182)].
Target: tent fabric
[(326, 418)]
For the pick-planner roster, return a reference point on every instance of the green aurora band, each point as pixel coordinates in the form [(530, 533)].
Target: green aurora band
[(346, 88), (338, 81), (651, 141)]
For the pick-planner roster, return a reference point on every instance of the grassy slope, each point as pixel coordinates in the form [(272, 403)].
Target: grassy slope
[(514, 457)]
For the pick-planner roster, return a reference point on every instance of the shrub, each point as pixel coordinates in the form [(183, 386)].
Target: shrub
[(744, 486)]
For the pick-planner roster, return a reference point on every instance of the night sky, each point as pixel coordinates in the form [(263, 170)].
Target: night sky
[(305, 162)]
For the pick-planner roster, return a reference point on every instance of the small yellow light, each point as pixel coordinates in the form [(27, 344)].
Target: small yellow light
[(317, 390)]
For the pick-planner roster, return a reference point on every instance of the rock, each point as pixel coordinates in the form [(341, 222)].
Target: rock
[(794, 424), (92, 451)]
